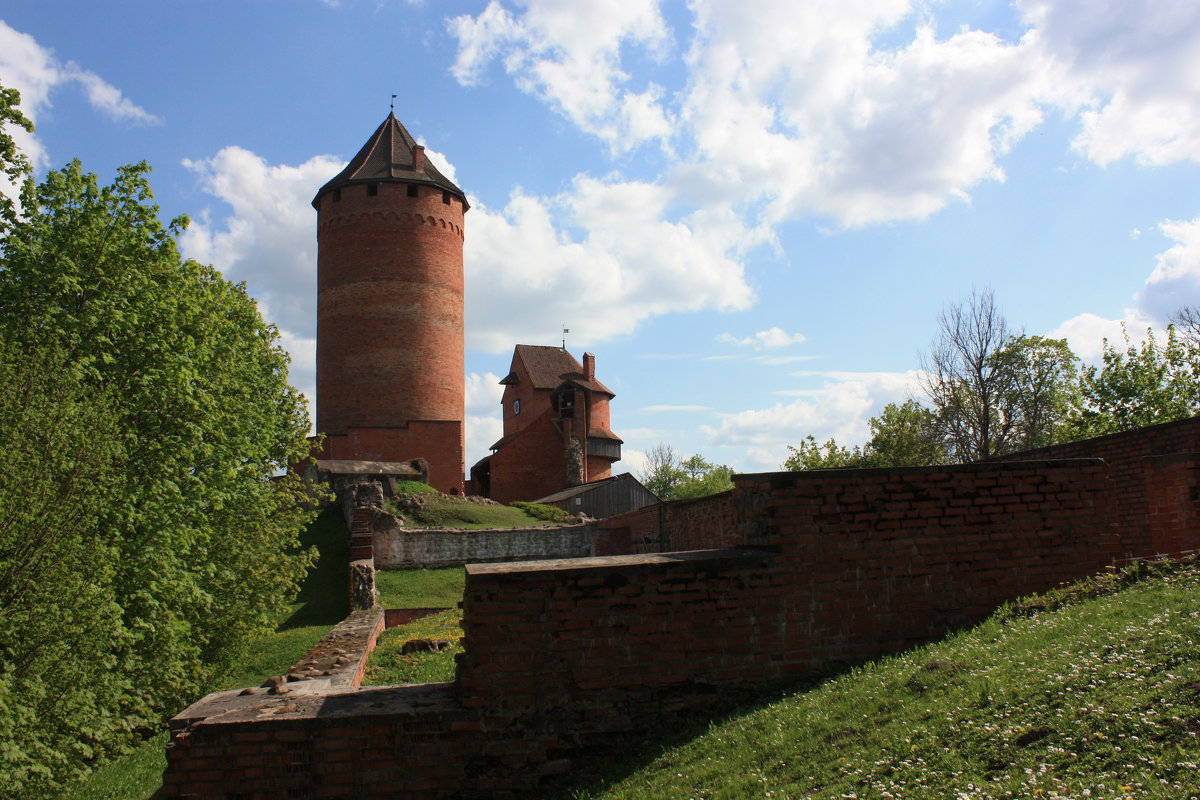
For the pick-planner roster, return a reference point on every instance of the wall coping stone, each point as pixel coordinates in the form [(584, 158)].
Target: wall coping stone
[(233, 707), (950, 469), (731, 557)]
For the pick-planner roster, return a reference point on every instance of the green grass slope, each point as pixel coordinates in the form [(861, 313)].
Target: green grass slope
[(1090, 691)]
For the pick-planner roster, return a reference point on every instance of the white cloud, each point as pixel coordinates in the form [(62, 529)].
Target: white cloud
[(527, 276), (1173, 283), (840, 408), (107, 98), (831, 109), (1175, 280), (483, 424), (770, 339), (34, 71), (660, 409), (1134, 68), (268, 238), (568, 54)]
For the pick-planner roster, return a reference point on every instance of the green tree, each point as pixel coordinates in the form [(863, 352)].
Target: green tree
[(61, 693), (1145, 384), (830, 455), (13, 163), (995, 391), (702, 478), (662, 472), (199, 536), (674, 478), (905, 435)]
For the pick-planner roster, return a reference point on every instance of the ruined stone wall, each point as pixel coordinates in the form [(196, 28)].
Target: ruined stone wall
[(832, 566), (699, 524), (407, 548)]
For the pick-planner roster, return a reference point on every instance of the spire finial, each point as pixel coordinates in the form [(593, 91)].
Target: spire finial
[(393, 104), (566, 330)]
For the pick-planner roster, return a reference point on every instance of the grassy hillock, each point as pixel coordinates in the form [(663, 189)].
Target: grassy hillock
[(1089, 691), (419, 505)]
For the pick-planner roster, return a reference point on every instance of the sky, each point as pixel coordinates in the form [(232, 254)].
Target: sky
[(751, 211)]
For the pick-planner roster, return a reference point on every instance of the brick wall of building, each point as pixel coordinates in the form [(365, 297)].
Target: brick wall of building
[(390, 320), (439, 442), (532, 464)]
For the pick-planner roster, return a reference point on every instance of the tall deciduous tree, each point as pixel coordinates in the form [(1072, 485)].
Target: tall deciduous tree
[(191, 544), (14, 166), (1144, 384), (674, 478), (995, 391)]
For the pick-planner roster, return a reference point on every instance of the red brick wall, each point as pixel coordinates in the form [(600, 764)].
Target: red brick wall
[(834, 566), (1173, 503), (700, 524), (1126, 455), (390, 313), (532, 464), (857, 564), (440, 443)]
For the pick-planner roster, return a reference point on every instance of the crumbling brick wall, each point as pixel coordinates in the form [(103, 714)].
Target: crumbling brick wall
[(833, 566)]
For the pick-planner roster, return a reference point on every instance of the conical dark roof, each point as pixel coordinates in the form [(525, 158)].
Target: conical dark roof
[(389, 156)]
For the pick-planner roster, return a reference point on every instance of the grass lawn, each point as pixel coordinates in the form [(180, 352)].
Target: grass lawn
[(449, 511), (321, 604), (420, 588), (1078, 696), (387, 665)]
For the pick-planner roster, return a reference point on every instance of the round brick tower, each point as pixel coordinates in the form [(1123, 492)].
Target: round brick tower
[(390, 309)]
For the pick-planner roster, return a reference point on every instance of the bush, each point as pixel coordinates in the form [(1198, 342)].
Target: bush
[(544, 512), (414, 487)]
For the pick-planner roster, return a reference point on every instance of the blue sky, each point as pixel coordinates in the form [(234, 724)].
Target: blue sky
[(751, 212)]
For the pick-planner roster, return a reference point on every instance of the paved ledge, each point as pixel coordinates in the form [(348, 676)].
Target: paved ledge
[(233, 707), (733, 557)]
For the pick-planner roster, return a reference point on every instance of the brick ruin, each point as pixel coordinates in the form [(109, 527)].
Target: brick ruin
[(784, 575)]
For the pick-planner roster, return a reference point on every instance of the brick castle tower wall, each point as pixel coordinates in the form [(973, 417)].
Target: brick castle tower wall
[(390, 325)]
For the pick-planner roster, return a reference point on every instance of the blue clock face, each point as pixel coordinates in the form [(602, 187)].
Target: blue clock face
[(516, 406)]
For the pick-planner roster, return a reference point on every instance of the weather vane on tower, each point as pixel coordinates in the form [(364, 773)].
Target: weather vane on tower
[(393, 104)]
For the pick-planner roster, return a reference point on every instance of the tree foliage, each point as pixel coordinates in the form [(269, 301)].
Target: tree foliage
[(830, 455), (14, 165), (674, 478), (995, 391), (1144, 384), (905, 435), (160, 538)]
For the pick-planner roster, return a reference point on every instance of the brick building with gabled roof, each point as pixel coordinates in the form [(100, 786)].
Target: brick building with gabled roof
[(556, 428)]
